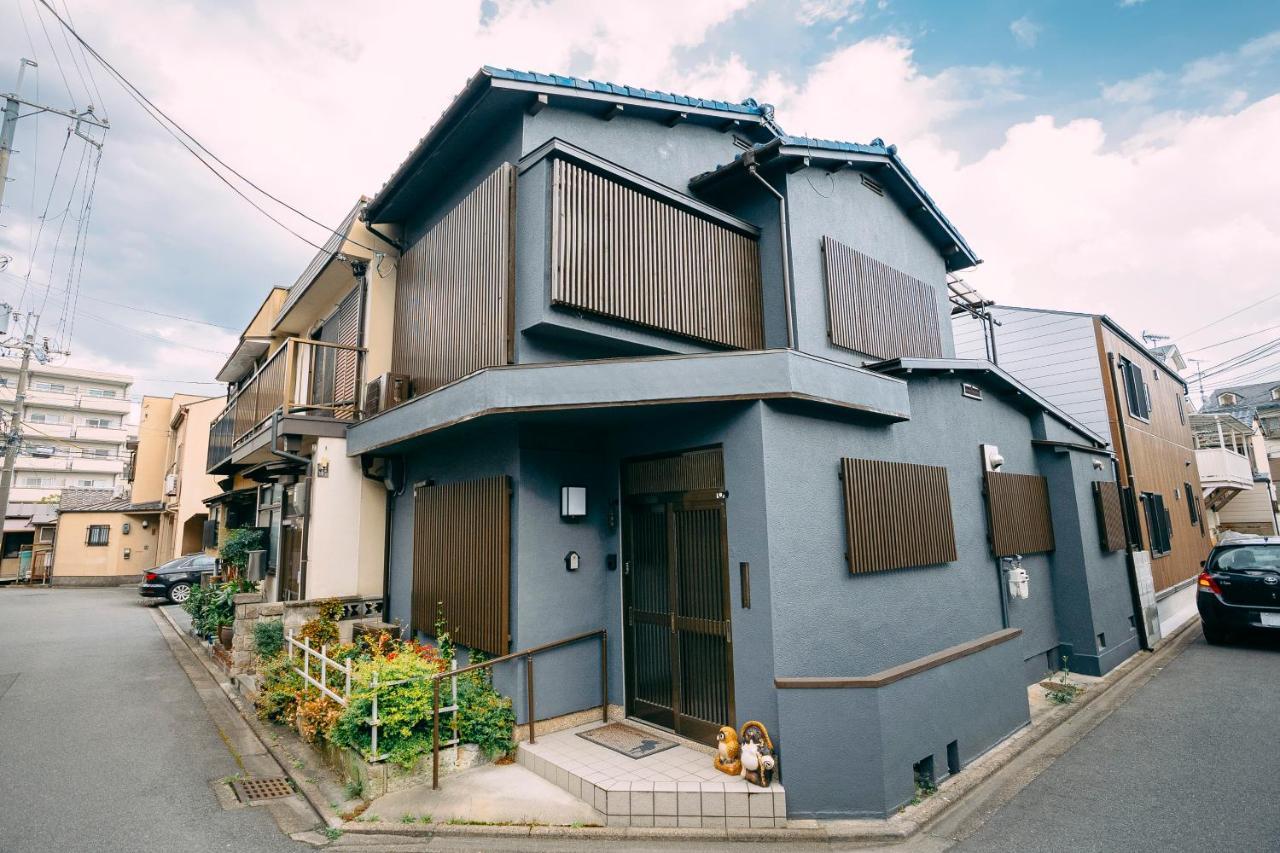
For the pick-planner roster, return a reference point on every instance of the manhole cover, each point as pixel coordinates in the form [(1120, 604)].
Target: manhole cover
[(253, 790)]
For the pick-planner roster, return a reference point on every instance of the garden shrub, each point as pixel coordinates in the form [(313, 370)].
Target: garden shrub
[(405, 709), (235, 549), (316, 717), (279, 690), (214, 607), (485, 717), (268, 638)]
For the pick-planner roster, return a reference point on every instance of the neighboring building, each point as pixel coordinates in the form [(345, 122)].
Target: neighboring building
[(708, 401), (168, 465), (103, 540), (1260, 400), (27, 544), (294, 384), (73, 432), (1231, 454), (1099, 373)]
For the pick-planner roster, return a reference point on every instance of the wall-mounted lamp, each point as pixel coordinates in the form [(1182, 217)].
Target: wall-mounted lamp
[(128, 552), (145, 524), (124, 528), (1097, 464), (571, 561), (991, 458), (573, 503)]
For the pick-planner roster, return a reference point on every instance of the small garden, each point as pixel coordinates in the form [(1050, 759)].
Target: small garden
[(484, 717), (212, 607)]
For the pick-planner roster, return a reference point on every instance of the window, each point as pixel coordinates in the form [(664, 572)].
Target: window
[(1275, 393), (52, 387), (86, 484), (98, 534), (1192, 510), (98, 452), (102, 392), (1158, 526), (104, 423), (43, 418), (897, 515), (1019, 520), (38, 481), (1180, 402), (42, 451), (1228, 399), (46, 535), (1135, 389)]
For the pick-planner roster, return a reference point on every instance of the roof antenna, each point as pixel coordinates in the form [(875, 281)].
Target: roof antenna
[(1153, 340)]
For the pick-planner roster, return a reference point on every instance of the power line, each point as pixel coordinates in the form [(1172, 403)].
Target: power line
[(160, 338), (135, 307), (1234, 340), (57, 60), (1227, 317), (156, 113)]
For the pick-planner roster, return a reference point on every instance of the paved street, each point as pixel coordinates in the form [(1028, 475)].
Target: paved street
[(104, 743), (1189, 763)]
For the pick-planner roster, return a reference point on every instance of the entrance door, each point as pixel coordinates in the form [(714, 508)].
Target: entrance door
[(293, 543), (676, 582)]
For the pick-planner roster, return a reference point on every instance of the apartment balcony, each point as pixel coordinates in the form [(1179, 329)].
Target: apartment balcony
[(69, 400), (94, 465), (35, 431), (307, 388), (1223, 475), (115, 435), (74, 464)]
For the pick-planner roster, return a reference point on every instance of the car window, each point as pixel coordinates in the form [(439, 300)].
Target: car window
[(1244, 557), (173, 564), (203, 563)]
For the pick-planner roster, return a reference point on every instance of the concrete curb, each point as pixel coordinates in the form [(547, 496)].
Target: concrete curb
[(896, 829), (310, 792)]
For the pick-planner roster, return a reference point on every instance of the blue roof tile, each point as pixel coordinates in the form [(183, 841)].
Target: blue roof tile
[(749, 107)]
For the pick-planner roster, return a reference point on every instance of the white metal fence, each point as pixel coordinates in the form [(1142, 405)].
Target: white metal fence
[(328, 665)]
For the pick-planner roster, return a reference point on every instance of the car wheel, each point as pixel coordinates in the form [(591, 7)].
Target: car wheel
[(1213, 634), (179, 592)]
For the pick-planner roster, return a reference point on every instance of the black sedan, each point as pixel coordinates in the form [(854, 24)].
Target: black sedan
[(175, 578), (1239, 588)]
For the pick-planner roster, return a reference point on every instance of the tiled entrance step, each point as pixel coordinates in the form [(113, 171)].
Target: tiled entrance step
[(675, 787)]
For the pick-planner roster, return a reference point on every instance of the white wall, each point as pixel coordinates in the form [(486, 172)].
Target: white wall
[(345, 539)]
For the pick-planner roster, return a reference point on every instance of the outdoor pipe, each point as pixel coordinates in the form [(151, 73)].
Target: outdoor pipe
[(783, 242)]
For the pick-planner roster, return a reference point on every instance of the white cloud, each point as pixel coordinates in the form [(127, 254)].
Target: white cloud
[(1137, 90), (829, 11), (1026, 32), (1132, 2)]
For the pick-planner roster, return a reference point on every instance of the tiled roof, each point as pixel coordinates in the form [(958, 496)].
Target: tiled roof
[(1251, 396), (747, 107), (101, 500)]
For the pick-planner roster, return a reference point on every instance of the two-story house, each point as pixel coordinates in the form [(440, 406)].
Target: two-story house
[(294, 384), (676, 375), (1231, 453), (1093, 369)]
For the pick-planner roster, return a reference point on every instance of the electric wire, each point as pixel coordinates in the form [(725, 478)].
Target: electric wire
[(170, 125), (1232, 314), (137, 308), (71, 300), (57, 60), (31, 260), (151, 335), (87, 66)]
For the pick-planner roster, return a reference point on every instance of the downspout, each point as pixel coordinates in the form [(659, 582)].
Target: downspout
[(1131, 536), (386, 238), (748, 158), (284, 454)]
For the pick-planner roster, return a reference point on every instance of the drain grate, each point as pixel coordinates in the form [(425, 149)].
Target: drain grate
[(254, 790)]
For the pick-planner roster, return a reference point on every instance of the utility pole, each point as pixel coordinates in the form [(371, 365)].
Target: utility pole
[(1200, 376), (13, 101)]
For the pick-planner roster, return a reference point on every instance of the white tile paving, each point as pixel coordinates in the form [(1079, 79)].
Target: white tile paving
[(675, 787)]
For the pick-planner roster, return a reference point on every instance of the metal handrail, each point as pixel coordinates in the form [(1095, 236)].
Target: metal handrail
[(527, 654)]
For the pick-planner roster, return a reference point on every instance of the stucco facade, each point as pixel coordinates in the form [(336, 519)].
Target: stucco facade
[(105, 547)]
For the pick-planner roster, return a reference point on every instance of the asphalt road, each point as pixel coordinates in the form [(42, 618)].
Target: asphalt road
[(104, 743), (1190, 763)]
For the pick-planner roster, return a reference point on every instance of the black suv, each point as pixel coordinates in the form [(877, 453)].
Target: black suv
[(175, 578), (1240, 587)]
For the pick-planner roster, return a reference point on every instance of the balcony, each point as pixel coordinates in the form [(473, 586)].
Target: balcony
[(1223, 475), (94, 465), (115, 435), (312, 387), (69, 400)]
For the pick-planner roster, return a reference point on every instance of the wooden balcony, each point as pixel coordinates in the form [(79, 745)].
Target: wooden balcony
[(303, 380)]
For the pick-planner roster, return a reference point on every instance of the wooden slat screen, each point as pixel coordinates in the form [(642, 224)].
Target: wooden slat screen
[(691, 471), (896, 515), (462, 561), (623, 254), (1018, 514), (873, 308), (454, 304), (1106, 500)]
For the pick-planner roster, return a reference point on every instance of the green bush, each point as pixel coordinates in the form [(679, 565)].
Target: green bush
[(214, 607), (279, 689), (268, 638), (404, 709), (485, 717), (235, 549)]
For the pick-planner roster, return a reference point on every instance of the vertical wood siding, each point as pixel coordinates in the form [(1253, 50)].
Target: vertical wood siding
[(333, 371), (1106, 498), (454, 290), (875, 309), (620, 253), (1018, 514), (695, 470), (462, 561), (896, 515)]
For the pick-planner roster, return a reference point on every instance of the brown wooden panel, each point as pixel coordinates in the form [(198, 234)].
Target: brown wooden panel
[(1106, 500), (875, 309), (1018, 514), (896, 515), (1158, 452), (623, 254), (462, 561), (454, 298), (695, 470)]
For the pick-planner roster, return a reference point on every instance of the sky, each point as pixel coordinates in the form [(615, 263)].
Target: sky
[(1116, 156)]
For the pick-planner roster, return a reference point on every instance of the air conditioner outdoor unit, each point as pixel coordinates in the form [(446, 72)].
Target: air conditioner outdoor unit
[(171, 485), (389, 389)]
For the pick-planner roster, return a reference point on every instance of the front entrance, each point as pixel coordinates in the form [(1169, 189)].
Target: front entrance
[(679, 654), (293, 542)]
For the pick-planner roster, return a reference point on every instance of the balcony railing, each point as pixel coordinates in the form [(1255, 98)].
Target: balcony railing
[(1221, 467), (303, 377)]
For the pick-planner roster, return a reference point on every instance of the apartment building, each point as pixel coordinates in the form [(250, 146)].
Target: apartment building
[(73, 431)]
